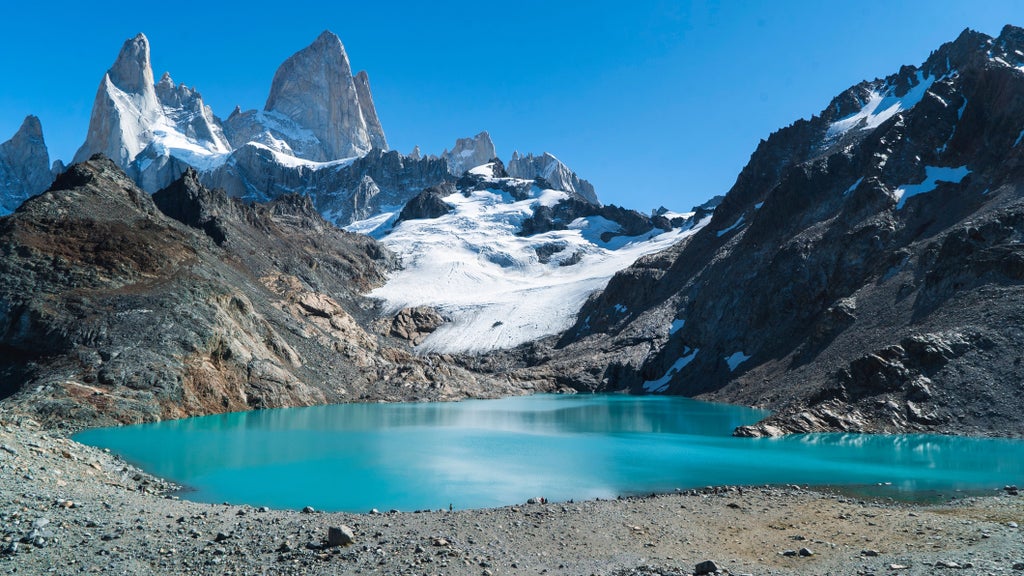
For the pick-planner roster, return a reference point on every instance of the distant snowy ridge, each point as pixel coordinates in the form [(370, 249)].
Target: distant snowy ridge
[(497, 287), (318, 135)]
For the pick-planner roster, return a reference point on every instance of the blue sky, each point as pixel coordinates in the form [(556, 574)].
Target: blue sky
[(655, 102)]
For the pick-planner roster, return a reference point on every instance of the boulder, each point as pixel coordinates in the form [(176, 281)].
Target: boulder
[(340, 536), (415, 324)]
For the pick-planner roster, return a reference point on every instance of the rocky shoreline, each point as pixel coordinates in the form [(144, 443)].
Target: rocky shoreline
[(70, 509)]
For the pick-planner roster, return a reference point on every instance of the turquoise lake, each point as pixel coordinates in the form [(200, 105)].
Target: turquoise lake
[(482, 453)]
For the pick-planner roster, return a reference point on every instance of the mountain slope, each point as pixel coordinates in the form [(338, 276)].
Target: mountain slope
[(864, 272), (118, 306)]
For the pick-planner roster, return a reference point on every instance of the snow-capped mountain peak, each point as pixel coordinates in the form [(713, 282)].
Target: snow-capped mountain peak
[(316, 89), (152, 130)]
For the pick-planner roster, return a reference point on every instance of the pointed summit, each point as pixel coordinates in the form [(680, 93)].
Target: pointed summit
[(373, 127), (469, 153), (132, 71), (24, 165), (315, 89), (150, 130)]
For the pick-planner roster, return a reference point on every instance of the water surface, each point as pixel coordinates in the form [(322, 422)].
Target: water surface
[(481, 453)]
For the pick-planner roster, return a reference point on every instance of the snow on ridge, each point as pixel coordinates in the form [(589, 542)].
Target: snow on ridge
[(292, 161), (881, 106), (661, 384), (735, 359), (676, 326), (933, 175), (853, 186), (490, 283), (734, 226)]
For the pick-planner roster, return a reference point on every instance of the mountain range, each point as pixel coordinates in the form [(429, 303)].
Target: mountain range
[(864, 273)]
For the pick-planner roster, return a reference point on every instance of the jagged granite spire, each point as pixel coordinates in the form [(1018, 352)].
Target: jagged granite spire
[(557, 174), (373, 126), (24, 165), (469, 153), (132, 71), (113, 131), (315, 88), (151, 130)]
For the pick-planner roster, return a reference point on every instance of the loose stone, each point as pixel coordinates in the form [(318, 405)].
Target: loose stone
[(706, 567)]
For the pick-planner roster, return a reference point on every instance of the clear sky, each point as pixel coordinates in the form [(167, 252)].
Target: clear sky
[(655, 102)]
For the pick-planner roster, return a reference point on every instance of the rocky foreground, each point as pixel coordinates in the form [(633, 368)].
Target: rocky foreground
[(69, 509)]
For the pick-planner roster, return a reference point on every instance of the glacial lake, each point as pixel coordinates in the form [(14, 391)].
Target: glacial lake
[(484, 453)]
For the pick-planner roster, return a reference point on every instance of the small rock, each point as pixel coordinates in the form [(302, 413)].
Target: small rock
[(10, 549), (440, 542), (9, 450), (869, 553), (898, 566), (374, 511), (220, 537), (285, 546), (308, 510), (788, 552), (340, 536), (419, 549), (705, 567), (1018, 566), (806, 552), (946, 564), (1011, 524), (264, 509)]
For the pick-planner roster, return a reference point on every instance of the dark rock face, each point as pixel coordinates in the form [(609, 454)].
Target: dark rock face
[(427, 204), (823, 288), (112, 311), (188, 202), (559, 216), (345, 193)]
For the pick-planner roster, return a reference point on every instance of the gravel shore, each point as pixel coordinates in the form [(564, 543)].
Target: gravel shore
[(66, 508)]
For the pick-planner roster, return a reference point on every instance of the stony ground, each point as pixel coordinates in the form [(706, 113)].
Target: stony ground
[(66, 508)]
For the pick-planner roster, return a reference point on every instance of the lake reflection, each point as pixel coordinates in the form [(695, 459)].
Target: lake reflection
[(495, 452)]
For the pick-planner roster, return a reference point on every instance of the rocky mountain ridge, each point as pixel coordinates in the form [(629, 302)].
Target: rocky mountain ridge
[(318, 135), (863, 273), (25, 166), (117, 306)]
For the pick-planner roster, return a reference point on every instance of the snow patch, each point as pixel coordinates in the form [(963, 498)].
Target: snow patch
[(661, 384), (676, 326), (853, 186), (375, 227), (881, 106), (673, 215), (620, 309), (735, 225), (481, 170), (758, 205), (933, 175), (735, 359)]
